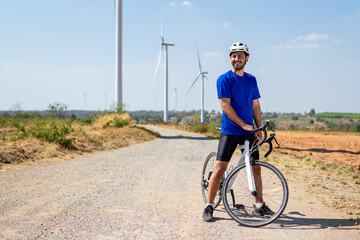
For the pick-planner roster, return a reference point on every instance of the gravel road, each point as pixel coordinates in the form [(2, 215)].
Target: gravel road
[(146, 191)]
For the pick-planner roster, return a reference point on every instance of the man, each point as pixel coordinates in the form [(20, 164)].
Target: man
[(239, 95)]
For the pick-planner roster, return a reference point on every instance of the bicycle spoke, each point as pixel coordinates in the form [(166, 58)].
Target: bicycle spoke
[(274, 193)]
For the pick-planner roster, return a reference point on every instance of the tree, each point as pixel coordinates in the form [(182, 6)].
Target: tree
[(17, 109), (312, 112), (57, 109)]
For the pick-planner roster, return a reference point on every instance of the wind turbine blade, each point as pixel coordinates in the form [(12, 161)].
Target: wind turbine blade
[(193, 83), (206, 77), (158, 64), (198, 57)]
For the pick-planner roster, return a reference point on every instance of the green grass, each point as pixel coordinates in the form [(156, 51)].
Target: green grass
[(337, 115), (51, 130)]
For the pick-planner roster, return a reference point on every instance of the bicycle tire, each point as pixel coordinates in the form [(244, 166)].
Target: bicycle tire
[(239, 204), (205, 178)]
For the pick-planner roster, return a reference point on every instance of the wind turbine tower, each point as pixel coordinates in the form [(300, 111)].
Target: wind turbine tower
[(166, 86), (202, 74), (118, 52)]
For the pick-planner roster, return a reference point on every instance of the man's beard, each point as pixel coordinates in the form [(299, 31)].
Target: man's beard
[(240, 67)]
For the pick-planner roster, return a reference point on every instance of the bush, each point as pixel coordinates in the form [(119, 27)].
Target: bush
[(200, 128), (272, 124), (86, 120), (117, 123), (51, 131), (292, 127)]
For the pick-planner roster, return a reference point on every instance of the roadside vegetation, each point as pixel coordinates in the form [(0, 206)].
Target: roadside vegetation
[(308, 121), (27, 136)]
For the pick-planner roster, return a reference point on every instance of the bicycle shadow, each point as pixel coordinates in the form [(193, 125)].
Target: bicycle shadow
[(299, 221)]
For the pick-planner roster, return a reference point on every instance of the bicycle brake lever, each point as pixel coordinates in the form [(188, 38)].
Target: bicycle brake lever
[(271, 128), (276, 142)]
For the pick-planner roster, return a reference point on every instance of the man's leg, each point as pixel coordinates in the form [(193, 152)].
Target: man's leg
[(258, 184), (214, 185), (215, 179), (260, 208), (226, 147)]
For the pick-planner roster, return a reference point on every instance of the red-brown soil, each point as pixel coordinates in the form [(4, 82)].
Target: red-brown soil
[(342, 149)]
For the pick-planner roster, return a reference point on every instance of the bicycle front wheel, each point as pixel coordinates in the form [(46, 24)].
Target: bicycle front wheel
[(207, 170), (240, 203)]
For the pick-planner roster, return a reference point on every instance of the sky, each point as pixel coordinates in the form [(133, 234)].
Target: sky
[(304, 54)]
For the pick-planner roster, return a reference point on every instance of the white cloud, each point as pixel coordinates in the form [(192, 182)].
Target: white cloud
[(312, 37), (214, 54), (11, 65), (184, 3), (310, 41), (352, 62)]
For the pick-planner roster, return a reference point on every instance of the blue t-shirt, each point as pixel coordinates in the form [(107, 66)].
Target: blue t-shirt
[(241, 91)]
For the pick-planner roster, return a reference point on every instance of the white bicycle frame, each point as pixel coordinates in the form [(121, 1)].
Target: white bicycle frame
[(249, 171)]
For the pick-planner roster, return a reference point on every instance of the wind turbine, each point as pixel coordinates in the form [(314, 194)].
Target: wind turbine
[(118, 52), (162, 45), (202, 74)]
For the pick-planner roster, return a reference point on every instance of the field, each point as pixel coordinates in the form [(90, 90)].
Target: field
[(326, 164), (342, 149)]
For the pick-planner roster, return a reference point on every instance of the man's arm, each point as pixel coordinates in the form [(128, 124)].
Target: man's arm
[(257, 115), (230, 112), (257, 112)]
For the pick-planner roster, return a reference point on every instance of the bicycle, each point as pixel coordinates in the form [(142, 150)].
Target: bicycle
[(238, 184)]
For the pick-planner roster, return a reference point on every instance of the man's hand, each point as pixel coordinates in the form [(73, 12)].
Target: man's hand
[(247, 127), (259, 135)]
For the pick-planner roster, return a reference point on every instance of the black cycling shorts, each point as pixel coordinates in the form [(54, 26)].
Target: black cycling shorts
[(228, 144)]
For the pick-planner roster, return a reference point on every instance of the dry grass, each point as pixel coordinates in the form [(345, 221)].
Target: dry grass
[(336, 187), (87, 139)]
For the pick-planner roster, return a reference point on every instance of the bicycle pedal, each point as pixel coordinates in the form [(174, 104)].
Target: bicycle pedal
[(239, 206)]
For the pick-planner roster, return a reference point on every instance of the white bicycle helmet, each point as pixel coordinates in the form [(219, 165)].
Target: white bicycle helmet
[(239, 47)]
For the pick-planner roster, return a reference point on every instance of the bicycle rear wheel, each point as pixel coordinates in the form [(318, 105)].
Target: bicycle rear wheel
[(239, 202), (205, 179)]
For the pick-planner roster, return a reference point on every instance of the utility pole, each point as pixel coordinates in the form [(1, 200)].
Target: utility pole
[(175, 89)]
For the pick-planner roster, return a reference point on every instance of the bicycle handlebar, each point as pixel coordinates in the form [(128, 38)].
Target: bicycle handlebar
[(265, 139)]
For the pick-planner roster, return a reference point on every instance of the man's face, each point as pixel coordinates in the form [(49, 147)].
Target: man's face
[(238, 60)]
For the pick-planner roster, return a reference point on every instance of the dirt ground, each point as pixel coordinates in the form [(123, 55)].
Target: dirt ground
[(147, 191), (342, 149), (326, 164)]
